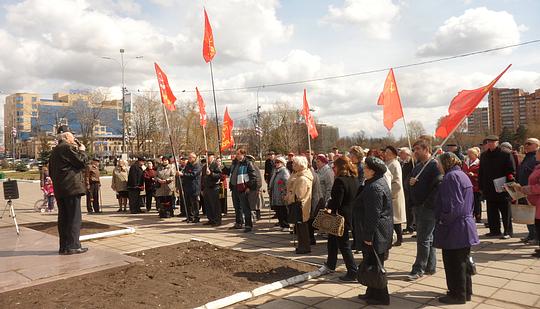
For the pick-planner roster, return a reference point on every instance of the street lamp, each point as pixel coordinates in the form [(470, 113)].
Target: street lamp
[(123, 69)]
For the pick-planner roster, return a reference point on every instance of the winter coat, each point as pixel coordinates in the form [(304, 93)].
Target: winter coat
[(119, 179), (245, 167), (533, 190), (67, 166), (455, 226), (471, 170), (526, 168), (165, 173), (277, 187), (149, 183), (211, 181), (299, 189), (268, 170), (398, 194), (372, 212), (343, 193), (494, 164), (316, 194), (191, 179), (326, 180), (135, 177)]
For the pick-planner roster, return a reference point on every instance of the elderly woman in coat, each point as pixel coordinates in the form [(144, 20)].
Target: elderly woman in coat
[(277, 188), (119, 184), (165, 188), (398, 193), (299, 190), (455, 228), (533, 196), (372, 209)]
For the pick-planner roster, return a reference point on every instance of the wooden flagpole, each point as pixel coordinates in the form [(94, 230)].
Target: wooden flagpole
[(174, 156), (215, 110)]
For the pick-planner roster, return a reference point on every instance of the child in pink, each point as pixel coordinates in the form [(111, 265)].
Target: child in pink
[(49, 192)]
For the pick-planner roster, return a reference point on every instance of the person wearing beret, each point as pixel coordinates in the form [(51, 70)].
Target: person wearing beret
[(372, 210), (93, 184), (66, 167), (135, 185)]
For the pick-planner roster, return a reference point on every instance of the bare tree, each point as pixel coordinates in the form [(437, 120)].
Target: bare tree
[(416, 129), (88, 114)]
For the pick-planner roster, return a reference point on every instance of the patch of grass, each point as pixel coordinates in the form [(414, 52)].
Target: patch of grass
[(29, 175)]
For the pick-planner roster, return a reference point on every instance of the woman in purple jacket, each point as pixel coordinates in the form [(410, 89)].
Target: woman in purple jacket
[(455, 230)]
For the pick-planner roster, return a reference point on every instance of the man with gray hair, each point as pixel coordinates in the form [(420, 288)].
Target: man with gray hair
[(66, 166)]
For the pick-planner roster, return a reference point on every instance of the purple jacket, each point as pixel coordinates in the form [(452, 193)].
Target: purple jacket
[(455, 227)]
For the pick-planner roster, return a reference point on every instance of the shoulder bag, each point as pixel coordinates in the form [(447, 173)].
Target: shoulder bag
[(373, 276), (333, 224)]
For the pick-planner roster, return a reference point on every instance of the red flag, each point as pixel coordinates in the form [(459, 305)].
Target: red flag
[(227, 139), (389, 99), (462, 106), (208, 50), (202, 109), (167, 96), (310, 122)]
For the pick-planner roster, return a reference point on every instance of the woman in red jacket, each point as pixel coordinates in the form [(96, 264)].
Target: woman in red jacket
[(471, 167)]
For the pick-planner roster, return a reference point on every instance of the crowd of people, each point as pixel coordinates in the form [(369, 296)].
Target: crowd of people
[(436, 198)]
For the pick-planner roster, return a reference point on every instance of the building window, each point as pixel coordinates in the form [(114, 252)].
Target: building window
[(34, 99), (34, 114), (20, 113), (34, 106), (20, 119), (19, 105), (19, 98)]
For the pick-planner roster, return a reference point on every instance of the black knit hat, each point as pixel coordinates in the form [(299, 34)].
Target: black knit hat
[(376, 164)]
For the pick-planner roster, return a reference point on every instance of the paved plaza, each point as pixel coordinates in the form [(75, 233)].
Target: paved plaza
[(508, 276)]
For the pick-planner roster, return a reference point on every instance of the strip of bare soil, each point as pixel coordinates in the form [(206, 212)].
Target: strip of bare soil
[(87, 227), (178, 276)]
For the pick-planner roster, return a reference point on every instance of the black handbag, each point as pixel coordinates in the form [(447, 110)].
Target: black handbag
[(373, 276), (294, 214)]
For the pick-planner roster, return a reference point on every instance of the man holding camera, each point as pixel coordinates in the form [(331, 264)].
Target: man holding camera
[(67, 168)]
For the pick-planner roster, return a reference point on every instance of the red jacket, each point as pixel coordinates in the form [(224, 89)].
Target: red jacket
[(471, 169)]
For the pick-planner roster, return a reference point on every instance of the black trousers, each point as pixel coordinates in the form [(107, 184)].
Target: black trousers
[(409, 214), (149, 196), (92, 198), (399, 232), (537, 224), (281, 212), (494, 219), (223, 200), (477, 206), (165, 205), (192, 202), (458, 279), (213, 206), (134, 197), (341, 243), (373, 293), (302, 231), (69, 222)]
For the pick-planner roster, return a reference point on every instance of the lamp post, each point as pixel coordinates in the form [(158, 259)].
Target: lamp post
[(123, 69)]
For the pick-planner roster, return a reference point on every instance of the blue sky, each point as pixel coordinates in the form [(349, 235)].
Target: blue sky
[(56, 45)]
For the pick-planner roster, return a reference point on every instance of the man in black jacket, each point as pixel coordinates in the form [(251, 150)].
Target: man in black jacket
[(211, 178), (496, 164), (269, 166), (191, 181), (244, 180), (66, 166), (135, 185), (423, 190)]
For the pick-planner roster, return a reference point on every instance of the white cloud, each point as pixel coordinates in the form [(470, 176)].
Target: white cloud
[(372, 17), (476, 29)]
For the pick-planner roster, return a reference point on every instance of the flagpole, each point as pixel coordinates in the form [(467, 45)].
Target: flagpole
[(174, 156), (215, 109), (309, 147), (408, 136)]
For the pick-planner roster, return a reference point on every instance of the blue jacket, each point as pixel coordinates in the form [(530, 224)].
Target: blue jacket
[(423, 193), (191, 180), (455, 227), (526, 168)]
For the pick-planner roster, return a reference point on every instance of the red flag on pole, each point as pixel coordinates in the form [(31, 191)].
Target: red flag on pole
[(167, 96), (227, 139), (209, 51), (389, 99), (202, 109), (310, 122), (462, 106)]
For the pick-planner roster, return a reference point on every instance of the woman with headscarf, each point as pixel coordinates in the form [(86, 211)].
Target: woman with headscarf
[(373, 211), (398, 194), (341, 201), (299, 190), (277, 189), (455, 229), (470, 168), (119, 184)]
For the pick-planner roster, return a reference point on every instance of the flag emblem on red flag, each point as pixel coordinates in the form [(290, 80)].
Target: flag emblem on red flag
[(462, 106), (389, 99), (202, 109), (227, 139), (209, 50), (310, 122), (167, 96)]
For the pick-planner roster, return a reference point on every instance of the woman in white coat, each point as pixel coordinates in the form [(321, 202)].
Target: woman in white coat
[(398, 194)]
